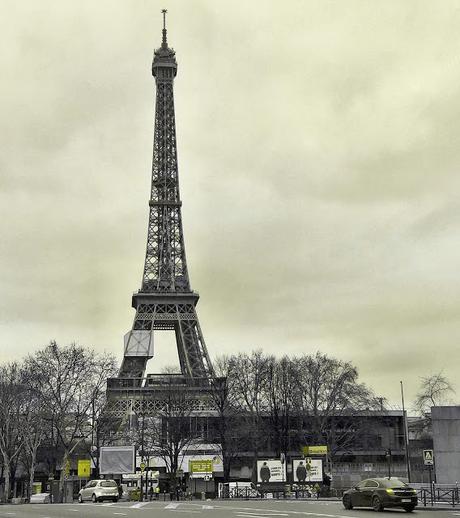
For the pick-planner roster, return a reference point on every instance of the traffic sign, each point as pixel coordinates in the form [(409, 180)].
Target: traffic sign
[(142, 466), (428, 457)]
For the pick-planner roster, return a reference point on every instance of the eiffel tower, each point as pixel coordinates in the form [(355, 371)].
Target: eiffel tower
[(165, 302)]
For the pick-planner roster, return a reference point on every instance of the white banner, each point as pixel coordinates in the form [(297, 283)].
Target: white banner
[(116, 460), (307, 470), (271, 471)]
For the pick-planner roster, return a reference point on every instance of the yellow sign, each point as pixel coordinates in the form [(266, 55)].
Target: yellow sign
[(37, 488), (314, 450), (200, 466), (84, 468)]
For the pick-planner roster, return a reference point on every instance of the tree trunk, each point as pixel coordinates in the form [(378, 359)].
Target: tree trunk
[(62, 477), (32, 474), (227, 466), (6, 475)]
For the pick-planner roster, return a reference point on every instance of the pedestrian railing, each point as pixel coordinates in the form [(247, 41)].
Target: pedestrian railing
[(434, 495), (247, 493)]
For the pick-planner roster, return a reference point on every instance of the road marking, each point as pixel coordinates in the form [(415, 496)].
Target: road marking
[(139, 505), (208, 507), (259, 515), (185, 511), (172, 506), (122, 514), (266, 511)]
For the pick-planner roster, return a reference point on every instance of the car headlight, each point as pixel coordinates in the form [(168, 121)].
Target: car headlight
[(413, 491), (390, 491)]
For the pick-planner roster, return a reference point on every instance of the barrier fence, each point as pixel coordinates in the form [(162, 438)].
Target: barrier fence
[(438, 495), (427, 496)]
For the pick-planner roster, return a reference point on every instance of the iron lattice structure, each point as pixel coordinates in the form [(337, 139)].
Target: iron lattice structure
[(165, 300)]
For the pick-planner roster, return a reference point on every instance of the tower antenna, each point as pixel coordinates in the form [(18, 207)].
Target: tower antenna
[(164, 11)]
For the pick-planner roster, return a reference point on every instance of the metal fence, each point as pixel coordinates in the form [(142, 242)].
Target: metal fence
[(438, 495), (247, 493)]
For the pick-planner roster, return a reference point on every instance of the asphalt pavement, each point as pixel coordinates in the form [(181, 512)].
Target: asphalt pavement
[(207, 509)]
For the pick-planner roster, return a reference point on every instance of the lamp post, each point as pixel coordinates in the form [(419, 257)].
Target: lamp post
[(388, 456), (406, 438)]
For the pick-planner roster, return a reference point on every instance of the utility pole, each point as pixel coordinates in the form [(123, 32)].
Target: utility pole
[(406, 438)]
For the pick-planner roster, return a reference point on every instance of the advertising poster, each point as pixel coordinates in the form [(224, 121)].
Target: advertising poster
[(307, 470), (271, 471)]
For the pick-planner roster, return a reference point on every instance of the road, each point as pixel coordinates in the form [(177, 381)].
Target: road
[(208, 509)]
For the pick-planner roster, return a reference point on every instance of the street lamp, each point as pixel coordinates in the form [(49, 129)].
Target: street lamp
[(406, 438), (388, 456)]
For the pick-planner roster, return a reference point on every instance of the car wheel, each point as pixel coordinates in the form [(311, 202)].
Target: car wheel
[(377, 504), (347, 502), (115, 499), (409, 508), (93, 498), (80, 499)]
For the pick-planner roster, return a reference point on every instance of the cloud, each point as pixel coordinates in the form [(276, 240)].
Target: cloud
[(318, 157)]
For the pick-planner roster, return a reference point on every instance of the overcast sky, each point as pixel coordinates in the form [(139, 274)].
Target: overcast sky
[(319, 162)]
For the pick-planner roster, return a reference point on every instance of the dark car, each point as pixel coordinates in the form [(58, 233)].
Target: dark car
[(379, 493)]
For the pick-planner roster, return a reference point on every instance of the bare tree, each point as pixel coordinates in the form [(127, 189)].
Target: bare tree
[(330, 395), (227, 427), (434, 390), (68, 381), (251, 375), (33, 427), (283, 397), (11, 408), (167, 432)]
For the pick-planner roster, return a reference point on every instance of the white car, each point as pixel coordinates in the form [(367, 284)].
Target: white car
[(99, 490)]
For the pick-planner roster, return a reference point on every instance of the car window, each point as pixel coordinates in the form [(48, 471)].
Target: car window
[(108, 483), (362, 483), (91, 484), (371, 483), (392, 482)]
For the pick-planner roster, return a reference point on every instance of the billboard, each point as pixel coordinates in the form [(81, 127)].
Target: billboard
[(271, 471), (117, 460), (200, 466), (307, 470)]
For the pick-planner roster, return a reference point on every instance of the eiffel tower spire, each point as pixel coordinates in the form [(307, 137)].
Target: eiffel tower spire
[(165, 300)]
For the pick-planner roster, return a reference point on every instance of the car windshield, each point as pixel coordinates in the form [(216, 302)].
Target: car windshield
[(108, 483), (392, 482)]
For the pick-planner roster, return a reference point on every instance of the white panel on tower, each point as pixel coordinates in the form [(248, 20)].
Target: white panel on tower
[(139, 343)]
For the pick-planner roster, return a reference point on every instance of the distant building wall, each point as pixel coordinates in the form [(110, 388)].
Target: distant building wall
[(446, 443)]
